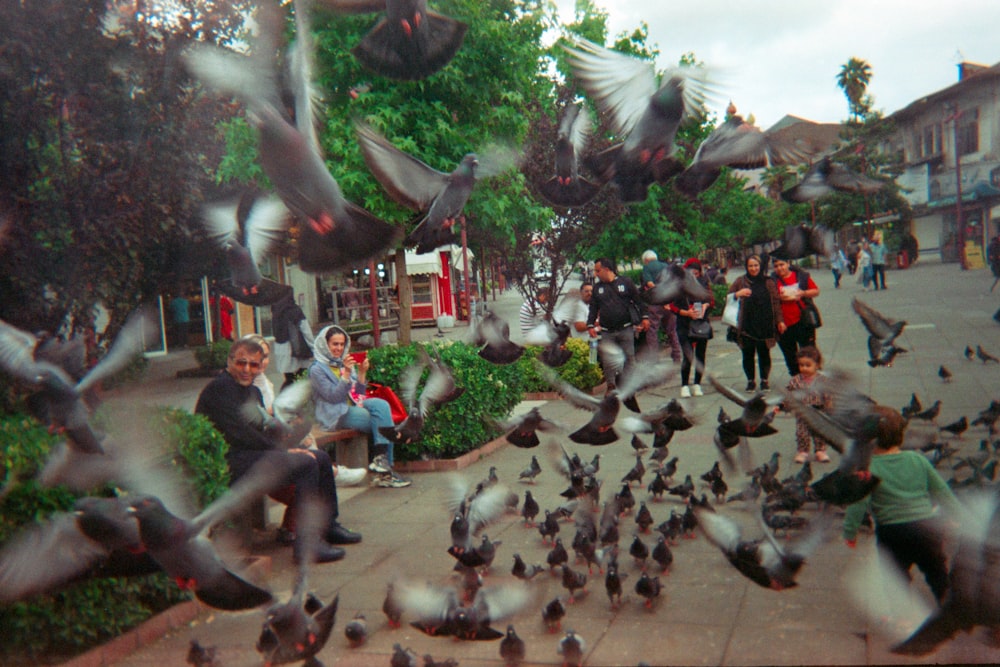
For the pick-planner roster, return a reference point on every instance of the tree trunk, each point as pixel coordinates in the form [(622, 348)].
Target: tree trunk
[(405, 298)]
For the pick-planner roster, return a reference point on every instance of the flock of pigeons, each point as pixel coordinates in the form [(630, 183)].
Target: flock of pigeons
[(411, 43)]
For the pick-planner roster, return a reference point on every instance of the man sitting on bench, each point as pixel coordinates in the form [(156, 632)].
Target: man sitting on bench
[(235, 407)]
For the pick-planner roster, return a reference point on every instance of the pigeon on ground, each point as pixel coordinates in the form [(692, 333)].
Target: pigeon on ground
[(944, 373), (645, 114), (644, 518), (571, 648), (957, 427), (649, 588), (636, 473), (550, 527), (334, 232), (202, 656), (613, 585), (985, 356), (529, 508), (438, 198), (512, 648), (523, 571), (391, 606), (661, 554), (825, 177), (572, 581), (969, 353), (356, 631), (410, 43), (930, 414), (558, 555), (568, 188), (298, 629), (911, 408), (739, 144), (532, 471), (639, 551), (552, 614), (403, 657)]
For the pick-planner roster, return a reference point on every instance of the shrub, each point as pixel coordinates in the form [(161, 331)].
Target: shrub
[(213, 355), (53, 627), (720, 292), (464, 424), (578, 371)]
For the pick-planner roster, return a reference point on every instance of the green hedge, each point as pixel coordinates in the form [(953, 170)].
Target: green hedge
[(578, 371), (464, 424), (213, 355), (52, 627)]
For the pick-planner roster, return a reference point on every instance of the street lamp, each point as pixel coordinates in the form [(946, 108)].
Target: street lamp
[(954, 117)]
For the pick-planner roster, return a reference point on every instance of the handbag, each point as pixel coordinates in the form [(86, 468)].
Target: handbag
[(810, 314), (700, 330), (300, 346), (731, 313), (376, 390)]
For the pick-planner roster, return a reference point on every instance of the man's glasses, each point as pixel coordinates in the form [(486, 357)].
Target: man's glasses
[(245, 363)]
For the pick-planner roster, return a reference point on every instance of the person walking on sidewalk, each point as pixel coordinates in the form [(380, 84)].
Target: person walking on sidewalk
[(838, 264), (617, 303), (693, 346), (760, 320), (660, 317), (339, 389)]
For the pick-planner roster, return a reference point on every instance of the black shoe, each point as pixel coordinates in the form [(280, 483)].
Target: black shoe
[(340, 535), (751, 385), (285, 537), (324, 554), (764, 386)]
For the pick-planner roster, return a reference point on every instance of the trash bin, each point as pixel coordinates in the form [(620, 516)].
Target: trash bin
[(902, 259)]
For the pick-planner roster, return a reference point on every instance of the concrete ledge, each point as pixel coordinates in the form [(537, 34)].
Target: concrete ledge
[(152, 629), (459, 463)]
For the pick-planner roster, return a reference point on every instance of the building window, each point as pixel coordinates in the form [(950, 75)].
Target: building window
[(421, 286), (967, 133)]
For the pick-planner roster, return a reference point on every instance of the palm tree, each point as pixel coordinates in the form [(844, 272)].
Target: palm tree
[(853, 79)]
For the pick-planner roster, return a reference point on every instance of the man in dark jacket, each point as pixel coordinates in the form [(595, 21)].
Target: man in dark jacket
[(616, 302), (235, 407)]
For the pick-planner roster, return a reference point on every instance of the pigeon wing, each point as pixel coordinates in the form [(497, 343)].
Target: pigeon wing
[(406, 179)]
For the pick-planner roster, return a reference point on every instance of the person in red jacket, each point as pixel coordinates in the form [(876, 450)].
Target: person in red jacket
[(794, 284)]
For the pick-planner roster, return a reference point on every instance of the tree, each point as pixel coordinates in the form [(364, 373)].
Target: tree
[(853, 79), (103, 155)]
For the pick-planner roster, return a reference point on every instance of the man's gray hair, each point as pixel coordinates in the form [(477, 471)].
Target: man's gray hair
[(648, 256)]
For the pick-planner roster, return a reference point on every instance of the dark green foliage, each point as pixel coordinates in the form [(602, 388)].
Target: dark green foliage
[(464, 424), (51, 628), (719, 292), (213, 356), (578, 371)]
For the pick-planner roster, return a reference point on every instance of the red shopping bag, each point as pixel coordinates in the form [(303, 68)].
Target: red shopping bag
[(376, 390)]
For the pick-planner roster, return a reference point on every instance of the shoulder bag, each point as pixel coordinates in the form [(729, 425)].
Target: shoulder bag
[(700, 330)]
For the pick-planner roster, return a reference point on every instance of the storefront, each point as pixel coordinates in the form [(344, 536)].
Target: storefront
[(431, 283)]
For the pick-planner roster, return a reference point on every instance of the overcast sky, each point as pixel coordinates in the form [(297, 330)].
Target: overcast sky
[(778, 57)]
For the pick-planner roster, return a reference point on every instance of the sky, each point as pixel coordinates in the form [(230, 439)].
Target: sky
[(777, 57)]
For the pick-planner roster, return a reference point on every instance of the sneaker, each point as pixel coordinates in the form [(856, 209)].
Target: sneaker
[(696, 390), (764, 386), (391, 480), (751, 385), (801, 457), (822, 457), (380, 464), (685, 392), (349, 476)]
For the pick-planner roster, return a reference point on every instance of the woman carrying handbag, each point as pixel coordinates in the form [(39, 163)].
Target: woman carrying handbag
[(694, 331), (760, 320)]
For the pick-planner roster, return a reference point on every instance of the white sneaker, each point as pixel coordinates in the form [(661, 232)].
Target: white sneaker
[(380, 464), (349, 476), (696, 390), (685, 392)]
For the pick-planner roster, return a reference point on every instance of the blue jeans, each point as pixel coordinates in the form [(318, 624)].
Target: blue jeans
[(368, 419)]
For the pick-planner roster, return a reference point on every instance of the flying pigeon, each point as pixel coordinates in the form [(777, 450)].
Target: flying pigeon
[(736, 143), (411, 42), (826, 176), (334, 232), (440, 612), (246, 240), (803, 240), (645, 114), (882, 333), (567, 188), (493, 334)]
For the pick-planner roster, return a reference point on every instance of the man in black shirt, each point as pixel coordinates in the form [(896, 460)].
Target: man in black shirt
[(622, 314), (235, 407)]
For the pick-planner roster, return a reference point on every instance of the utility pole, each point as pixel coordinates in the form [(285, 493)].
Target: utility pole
[(954, 117)]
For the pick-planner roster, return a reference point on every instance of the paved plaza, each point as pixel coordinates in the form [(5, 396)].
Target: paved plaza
[(707, 613)]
